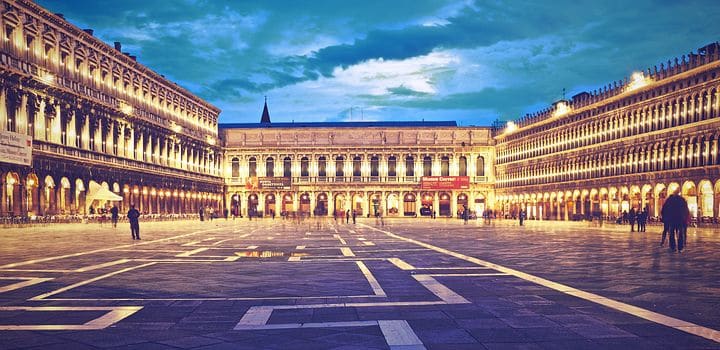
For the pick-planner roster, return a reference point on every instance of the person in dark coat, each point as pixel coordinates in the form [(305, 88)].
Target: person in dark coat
[(202, 214), (354, 215), (347, 216), (631, 218), (133, 216), (675, 215), (642, 220), (114, 215)]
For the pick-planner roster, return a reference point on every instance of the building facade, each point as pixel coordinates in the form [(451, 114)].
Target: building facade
[(368, 167), (97, 117), (627, 145)]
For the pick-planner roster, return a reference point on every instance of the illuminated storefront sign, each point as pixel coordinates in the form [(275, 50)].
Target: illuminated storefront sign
[(15, 148), (271, 183), (445, 182)]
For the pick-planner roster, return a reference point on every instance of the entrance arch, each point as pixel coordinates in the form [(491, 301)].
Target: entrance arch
[(462, 203), (321, 206), (339, 205), (393, 205), (253, 201), (409, 207), (444, 204), (304, 204), (269, 204)]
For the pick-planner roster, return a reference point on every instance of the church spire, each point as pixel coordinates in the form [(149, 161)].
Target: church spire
[(265, 114)]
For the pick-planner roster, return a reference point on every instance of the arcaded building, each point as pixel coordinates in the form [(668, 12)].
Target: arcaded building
[(395, 169), (627, 145), (77, 114)]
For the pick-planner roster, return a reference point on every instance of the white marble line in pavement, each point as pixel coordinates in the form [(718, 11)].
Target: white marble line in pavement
[(51, 258), (688, 327)]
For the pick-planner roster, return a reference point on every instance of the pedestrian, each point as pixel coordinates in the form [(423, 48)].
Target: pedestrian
[(631, 218), (347, 217), (354, 214), (114, 214), (133, 216), (91, 211), (433, 214), (521, 217), (624, 218), (642, 220), (202, 213), (675, 216), (225, 213), (465, 214)]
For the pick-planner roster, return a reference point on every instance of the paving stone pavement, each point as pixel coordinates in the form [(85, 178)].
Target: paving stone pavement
[(320, 284)]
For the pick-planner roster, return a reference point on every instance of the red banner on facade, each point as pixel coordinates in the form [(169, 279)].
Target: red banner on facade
[(445, 182)]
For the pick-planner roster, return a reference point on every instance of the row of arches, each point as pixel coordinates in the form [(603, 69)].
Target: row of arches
[(703, 197), (686, 152), (42, 195), (356, 166), (337, 203), (693, 107), (69, 53)]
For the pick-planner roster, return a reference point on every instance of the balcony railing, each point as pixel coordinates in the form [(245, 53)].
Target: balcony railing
[(82, 155)]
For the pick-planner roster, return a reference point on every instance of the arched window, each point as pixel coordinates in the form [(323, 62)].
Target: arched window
[(287, 167), (339, 166), (270, 167), (374, 166), (462, 166), (392, 164), (322, 165), (304, 167), (480, 166), (357, 166), (427, 166), (445, 166), (409, 166), (235, 167), (252, 167)]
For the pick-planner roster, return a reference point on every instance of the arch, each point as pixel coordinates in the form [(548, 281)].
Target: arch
[(690, 193), (392, 204), (339, 204), (270, 208), (321, 204), (706, 199), (357, 203), (409, 204)]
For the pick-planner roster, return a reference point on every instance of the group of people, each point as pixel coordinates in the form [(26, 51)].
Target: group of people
[(633, 217)]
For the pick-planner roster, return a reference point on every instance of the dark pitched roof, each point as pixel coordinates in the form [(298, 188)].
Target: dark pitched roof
[(399, 124), (265, 119)]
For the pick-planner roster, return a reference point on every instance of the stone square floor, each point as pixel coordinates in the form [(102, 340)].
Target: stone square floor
[(320, 284)]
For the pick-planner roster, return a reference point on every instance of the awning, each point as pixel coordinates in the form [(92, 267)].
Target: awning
[(97, 192)]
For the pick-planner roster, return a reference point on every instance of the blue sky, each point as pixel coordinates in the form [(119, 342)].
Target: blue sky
[(469, 61)]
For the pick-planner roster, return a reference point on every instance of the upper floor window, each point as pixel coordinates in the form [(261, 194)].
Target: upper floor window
[(445, 166), (287, 167), (357, 166), (235, 167), (480, 167), (252, 167), (340, 166), (462, 167), (392, 165), (374, 166), (409, 166), (427, 166), (270, 167), (304, 166), (322, 165)]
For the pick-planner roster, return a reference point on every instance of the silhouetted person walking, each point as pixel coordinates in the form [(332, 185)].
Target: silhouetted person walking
[(347, 216), (114, 215), (676, 215), (354, 215), (133, 216), (631, 217)]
